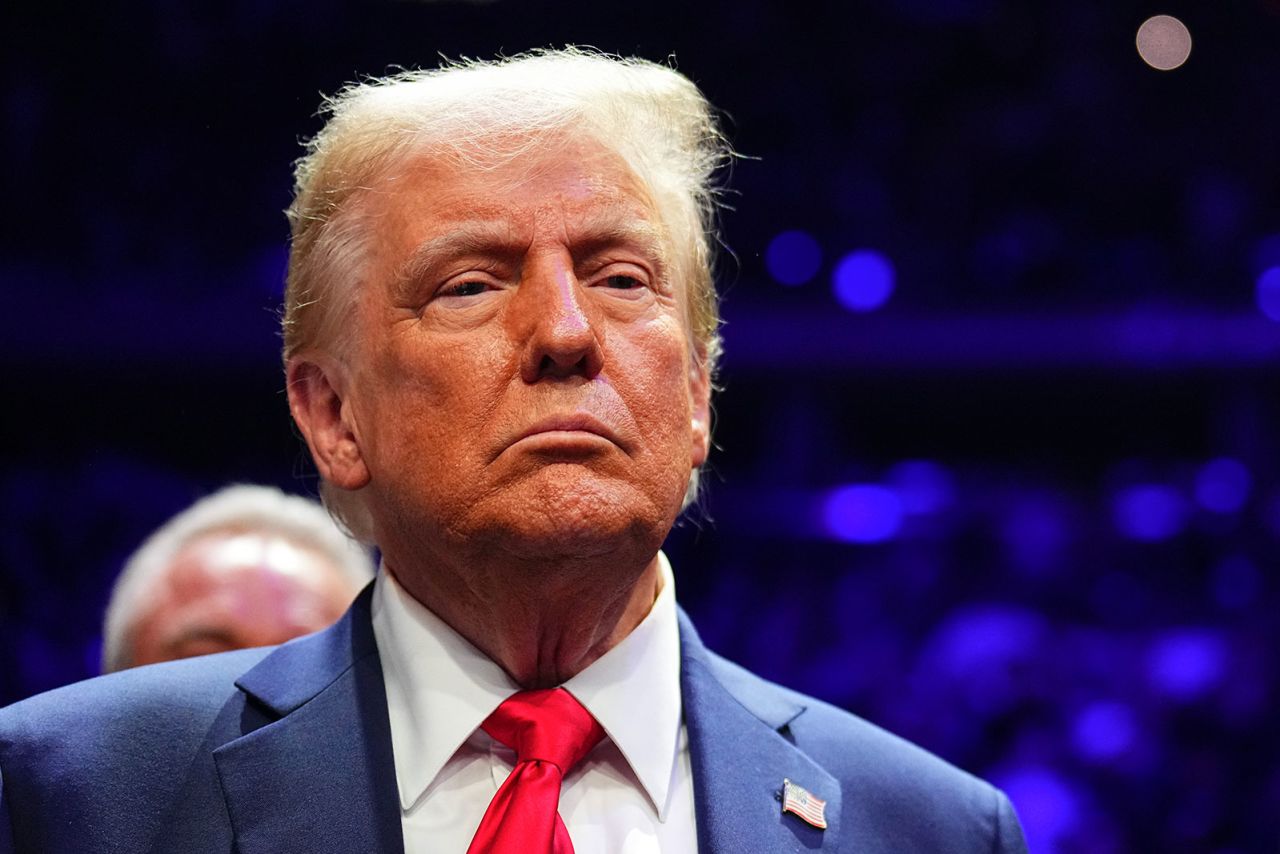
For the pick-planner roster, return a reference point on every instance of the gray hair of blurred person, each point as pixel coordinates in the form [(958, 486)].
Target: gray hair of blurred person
[(653, 117), (241, 508)]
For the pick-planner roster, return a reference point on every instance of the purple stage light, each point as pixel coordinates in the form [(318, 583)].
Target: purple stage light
[(793, 257), (981, 649), (1186, 663), (1222, 485), (863, 280), (1047, 804), (987, 637), (924, 487), (1104, 730), (863, 513), (1149, 512), (1268, 293)]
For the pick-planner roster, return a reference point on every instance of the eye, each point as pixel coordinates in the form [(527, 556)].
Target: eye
[(464, 289), (622, 282)]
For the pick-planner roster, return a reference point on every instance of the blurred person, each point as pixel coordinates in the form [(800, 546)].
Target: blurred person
[(246, 566), (501, 336)]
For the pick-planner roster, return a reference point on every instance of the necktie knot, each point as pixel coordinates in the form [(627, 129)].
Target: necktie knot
[(550, 733), (546, 725)]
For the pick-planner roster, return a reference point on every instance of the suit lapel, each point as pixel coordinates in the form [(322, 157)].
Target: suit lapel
[(321, 776), (740, 754)]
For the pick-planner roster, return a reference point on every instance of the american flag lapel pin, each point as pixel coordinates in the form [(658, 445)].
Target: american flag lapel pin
[(801, 802)]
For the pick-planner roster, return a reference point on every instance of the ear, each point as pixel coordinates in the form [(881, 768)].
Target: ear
[(316, 398), (700, 400)]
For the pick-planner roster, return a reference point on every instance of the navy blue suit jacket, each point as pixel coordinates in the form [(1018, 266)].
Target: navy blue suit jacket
[(270, 751)]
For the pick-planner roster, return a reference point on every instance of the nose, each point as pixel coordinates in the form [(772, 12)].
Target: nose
[(557, 325)]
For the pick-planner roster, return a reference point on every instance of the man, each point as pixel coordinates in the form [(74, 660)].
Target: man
[(500, 340), (246, 566)]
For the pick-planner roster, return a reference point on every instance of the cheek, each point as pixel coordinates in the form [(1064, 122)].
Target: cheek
[(660, 368), (415, 378), (428, 401)]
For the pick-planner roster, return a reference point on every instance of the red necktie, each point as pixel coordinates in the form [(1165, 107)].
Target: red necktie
[(550, 733)]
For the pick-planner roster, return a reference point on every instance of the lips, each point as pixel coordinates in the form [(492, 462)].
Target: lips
[(578, 422)]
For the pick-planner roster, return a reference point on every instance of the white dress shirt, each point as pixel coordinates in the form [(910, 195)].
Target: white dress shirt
[(633, 794)]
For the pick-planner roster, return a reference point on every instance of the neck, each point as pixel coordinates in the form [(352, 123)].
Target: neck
[(542, 622)]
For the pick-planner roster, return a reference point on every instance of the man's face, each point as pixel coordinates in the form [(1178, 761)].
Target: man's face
[(521, 377)]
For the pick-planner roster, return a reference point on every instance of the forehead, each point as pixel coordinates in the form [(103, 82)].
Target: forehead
[(219, 558), (579, 187)]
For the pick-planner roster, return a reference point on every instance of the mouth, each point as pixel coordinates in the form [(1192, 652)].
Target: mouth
[(577, 431), (575, 426)]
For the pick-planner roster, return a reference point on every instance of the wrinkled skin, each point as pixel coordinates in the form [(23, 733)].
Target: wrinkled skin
[(521, 406)]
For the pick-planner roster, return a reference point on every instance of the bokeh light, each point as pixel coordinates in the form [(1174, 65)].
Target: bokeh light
[(923, 486), (1164, 42), (1185, 663), (1104, 730), (793, 257), (983, 639), (1222, 485), (1149, 511), (863, 513), (1268, 293), (863, 280), (1047, 804)]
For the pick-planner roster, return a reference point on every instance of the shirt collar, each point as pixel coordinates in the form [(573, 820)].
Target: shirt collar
[(633, 691), (440, 689)]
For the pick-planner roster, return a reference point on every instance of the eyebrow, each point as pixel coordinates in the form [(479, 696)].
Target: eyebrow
[(497, 239), (594, 236), (480, 237)]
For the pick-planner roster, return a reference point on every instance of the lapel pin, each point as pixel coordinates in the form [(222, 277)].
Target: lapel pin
[(802, 803)]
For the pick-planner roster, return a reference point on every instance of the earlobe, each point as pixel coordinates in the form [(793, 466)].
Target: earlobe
[(700, 422), (316, 400), (701, 442)]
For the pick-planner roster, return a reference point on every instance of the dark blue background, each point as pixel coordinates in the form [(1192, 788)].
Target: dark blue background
[(1026, 512)]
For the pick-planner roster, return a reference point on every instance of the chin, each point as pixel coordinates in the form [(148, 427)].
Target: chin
[(572, 514)]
